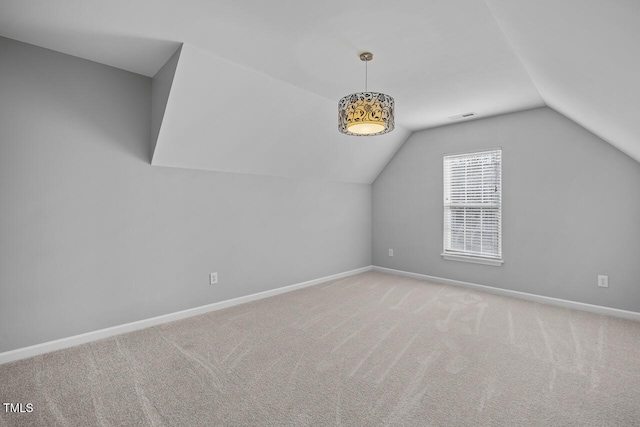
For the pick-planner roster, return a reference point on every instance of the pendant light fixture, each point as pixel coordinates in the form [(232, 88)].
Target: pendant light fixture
[(365, 113)]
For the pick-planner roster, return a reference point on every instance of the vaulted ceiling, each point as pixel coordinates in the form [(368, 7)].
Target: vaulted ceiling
[(252, 86)]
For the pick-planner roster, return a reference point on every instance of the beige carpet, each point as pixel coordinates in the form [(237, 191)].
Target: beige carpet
[(369, 350)]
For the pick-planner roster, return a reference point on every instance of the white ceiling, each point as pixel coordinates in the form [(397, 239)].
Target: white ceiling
[(290, 61), (584, 58), (260, 125)]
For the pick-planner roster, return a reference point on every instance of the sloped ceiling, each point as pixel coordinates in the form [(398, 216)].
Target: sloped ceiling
[(584, 58), (261, 126), (255, 86)]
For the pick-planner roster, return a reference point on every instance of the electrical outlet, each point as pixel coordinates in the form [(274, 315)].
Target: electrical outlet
[(213, 278), (603, 281), (390, 252)]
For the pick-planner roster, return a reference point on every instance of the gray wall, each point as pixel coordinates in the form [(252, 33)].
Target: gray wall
[(571, 209), (92, 236)]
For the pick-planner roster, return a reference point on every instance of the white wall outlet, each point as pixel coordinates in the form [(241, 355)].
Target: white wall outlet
[(213, 278), (390, 252), (603, 281)]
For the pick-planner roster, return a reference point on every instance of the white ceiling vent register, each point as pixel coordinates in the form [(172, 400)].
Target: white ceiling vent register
[(462, 116)]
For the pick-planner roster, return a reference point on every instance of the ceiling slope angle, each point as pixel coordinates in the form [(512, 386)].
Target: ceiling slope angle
[(582, 55), (226, 117), (437, 59), (122, 34), (256, 86), (160, 90)]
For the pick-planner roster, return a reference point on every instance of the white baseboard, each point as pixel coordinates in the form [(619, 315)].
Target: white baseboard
[(47, 347), (520, 295)]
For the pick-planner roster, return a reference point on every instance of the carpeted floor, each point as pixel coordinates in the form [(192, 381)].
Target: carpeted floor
[(368, 350)]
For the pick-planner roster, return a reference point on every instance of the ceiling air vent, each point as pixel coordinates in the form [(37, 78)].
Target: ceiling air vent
[(462, 116)]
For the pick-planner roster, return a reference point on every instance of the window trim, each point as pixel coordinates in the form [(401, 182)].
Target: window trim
[(496, 262), (464, 257)]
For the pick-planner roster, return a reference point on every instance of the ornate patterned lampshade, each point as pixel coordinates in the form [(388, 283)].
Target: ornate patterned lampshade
[(365, 113)]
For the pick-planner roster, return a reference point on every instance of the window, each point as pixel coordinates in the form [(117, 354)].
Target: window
[(473, 207)]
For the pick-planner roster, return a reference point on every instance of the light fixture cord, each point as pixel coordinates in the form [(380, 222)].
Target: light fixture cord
[(366, 75)]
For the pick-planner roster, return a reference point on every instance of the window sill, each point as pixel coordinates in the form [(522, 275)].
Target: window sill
[(474, 260)]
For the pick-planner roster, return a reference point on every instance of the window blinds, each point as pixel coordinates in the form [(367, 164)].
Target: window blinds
[(473, 204)]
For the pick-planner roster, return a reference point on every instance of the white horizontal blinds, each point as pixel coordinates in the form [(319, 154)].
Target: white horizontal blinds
[(473, 204)]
